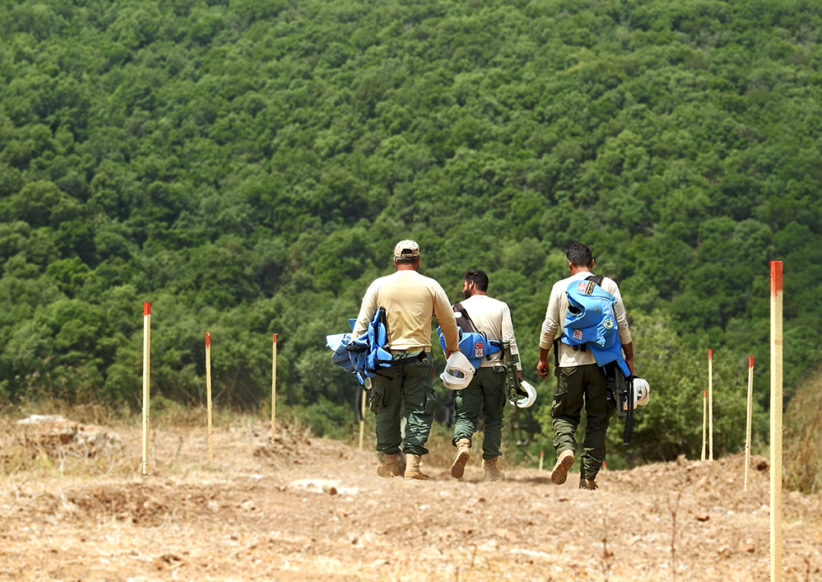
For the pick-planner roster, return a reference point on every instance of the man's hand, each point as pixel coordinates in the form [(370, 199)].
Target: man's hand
[(543, 367), (448, 353)]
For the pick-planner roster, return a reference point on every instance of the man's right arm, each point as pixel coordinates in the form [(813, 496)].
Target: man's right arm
[(367, 310), (549, 330)]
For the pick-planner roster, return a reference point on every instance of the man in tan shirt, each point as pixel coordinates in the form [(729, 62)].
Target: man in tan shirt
[(410, 301), (579, 379)]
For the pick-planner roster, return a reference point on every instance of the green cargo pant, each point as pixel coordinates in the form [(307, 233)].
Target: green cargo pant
[(577, 385), (485, 394), (404, 392)]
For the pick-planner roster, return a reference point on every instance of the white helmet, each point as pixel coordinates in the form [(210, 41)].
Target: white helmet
[(642, 393), (530, 395), (458, 372)]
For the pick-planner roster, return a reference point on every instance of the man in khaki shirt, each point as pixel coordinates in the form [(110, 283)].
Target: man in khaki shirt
[(579, 379), (410, 301)]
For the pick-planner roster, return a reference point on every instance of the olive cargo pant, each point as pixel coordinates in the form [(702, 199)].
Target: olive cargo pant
[(578, 385), (485, 394), (404, 391)]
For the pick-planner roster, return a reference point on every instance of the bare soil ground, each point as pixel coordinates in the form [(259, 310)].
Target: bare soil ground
[(74, 506)]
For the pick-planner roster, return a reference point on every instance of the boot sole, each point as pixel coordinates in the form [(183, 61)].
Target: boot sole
[(458, 468), (560, 472)]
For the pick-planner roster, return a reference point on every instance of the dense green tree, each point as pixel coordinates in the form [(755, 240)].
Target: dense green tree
[(247, 167)]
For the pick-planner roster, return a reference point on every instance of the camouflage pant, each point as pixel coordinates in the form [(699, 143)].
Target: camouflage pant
[(485, 394), (578, 385), (404, 392)]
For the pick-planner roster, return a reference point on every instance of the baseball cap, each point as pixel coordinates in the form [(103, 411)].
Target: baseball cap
[(406, 249)]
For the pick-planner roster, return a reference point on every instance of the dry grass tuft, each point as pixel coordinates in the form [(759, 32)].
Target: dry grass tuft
[(803, 438)]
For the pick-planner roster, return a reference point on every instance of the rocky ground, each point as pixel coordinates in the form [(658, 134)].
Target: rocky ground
[(74, 506)]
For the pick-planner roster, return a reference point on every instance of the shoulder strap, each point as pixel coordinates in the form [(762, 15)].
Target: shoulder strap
[(463, 319), (596, 279)]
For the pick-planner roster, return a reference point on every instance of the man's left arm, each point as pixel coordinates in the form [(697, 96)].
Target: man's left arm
[(622, 327), (508, 336)]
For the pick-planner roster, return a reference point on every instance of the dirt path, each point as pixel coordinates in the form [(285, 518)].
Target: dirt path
[(313, 509)]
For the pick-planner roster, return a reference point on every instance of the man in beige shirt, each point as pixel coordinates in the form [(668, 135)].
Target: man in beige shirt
[(580, 381), (410, 301)]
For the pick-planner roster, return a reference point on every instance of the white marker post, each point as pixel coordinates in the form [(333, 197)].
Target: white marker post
[(146, 375), (541, 458), (208, 396), (704, 420), (273, 386), (362, 416), (776, 421), (710, 406), (748, 420)]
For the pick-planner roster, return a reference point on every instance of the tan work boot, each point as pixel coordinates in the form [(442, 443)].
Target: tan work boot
[(389, 467), (564, 462), (412, 467), (491, 471), (589, 484), (458, 468)]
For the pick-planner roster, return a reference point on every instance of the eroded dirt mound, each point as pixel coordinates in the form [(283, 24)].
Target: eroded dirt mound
[(54, 437)]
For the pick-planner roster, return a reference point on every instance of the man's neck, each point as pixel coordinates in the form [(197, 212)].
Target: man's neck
[(575, 269)]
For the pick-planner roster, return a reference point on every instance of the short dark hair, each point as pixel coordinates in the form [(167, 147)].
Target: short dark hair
[(479, 278), (579, 255), (407, 260)]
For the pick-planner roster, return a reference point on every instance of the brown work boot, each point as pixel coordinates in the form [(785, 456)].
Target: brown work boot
[(589, 484), (412, 467), (491, 471), (389, 467), (458, 468), (564, 462)]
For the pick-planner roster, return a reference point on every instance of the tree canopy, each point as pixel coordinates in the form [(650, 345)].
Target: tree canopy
[(247, 167)]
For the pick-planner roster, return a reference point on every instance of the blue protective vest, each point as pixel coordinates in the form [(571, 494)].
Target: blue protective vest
[(590, 323), (473, 344), (367, 354)]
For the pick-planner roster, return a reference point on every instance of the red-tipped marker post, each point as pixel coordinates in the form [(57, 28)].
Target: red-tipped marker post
[(710, 406), (704, 420), (776, 421), (748, 421), (146, 385), (208, 396), (273, 386)]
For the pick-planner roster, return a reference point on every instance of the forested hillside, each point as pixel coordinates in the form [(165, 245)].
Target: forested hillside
[(247, 167)]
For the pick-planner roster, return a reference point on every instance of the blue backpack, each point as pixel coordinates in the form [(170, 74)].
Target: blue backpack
[(590, 322)]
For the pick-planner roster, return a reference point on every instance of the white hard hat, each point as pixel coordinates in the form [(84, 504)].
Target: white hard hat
[(458, 372), (530, 395), (642, 393)]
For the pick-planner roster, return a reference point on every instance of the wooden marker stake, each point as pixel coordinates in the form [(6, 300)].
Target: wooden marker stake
[(541, 458), (146, 375), (208, 396), (704, 420), (273, 386), (776, 421), (748, 421), (710, 407)]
